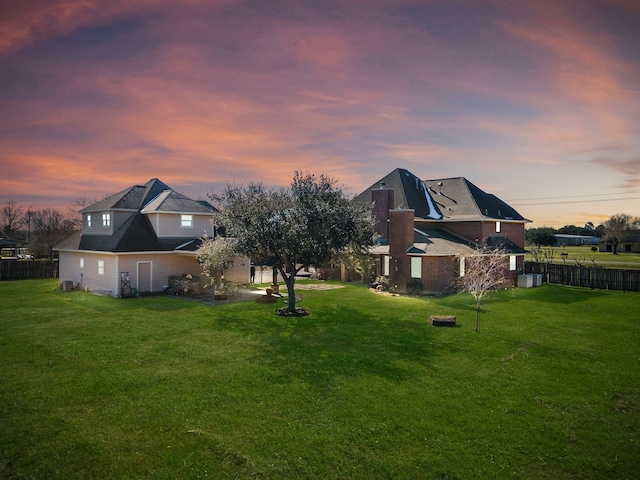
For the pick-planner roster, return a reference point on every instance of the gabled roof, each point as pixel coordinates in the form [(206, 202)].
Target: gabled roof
[(132, 198), (409, 192), (174, 202), (444, 199), (459, 199)]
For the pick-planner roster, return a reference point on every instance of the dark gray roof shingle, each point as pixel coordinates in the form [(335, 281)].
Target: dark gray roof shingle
[(132, 198), (459, 199)]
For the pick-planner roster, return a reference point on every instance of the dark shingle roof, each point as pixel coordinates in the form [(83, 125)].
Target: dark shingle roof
[(459, 199), (132, 198), (447, 199), (409, 192), (136, 234), (436, 241), (174, 202)]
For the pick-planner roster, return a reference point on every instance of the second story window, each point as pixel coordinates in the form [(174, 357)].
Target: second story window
[(106, 219), (186, 221), (88, 219)]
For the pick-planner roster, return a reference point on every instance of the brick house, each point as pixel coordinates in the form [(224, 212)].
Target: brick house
[(137, 239), (428, 227)]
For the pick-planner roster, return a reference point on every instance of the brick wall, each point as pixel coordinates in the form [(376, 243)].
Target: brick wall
[(382, 199), (439, 274), (400, 239), (478, 230)]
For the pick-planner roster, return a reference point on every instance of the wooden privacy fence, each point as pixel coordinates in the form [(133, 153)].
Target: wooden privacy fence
[(590, 277), (21, 269)]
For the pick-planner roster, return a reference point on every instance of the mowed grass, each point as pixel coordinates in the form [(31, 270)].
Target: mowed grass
[(164, 388), (585, 257)]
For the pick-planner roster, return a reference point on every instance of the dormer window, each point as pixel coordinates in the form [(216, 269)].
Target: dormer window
[(88, 220), (186, 221), (106, 219)]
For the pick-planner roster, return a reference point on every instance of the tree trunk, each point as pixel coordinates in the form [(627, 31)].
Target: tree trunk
[(290, 280), (477, 316)]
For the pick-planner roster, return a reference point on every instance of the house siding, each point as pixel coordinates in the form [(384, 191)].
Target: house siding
[(169, 225), (162, 267), (96, 228), (88, 276)]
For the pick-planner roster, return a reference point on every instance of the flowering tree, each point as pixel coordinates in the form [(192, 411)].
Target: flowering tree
[(215, 256), (483, 272), (302, 225)]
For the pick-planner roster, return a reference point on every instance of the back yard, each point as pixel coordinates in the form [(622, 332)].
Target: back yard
[(164, 388)]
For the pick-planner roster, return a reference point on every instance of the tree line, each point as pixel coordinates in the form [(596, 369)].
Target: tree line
[(614, 230), (39, 230)]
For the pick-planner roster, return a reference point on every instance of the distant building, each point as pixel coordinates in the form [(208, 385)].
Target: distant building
[(565, 239), (630, 243)]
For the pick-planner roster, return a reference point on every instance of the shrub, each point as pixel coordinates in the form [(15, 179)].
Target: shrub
[(415, 287), (381, 282)]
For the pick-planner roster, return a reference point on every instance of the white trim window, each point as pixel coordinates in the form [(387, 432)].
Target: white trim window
[(81, 262), (416, 267), (88, 220), (512, 262), (498, 227), (462, 264), (186, 221), (385, 266), (106, 219), (100, 267)]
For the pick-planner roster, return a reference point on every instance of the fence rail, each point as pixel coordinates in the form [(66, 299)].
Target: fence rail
[(22, 269), (590, 277)]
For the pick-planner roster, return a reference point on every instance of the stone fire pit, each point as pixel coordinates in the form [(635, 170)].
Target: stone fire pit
[(443, 320)]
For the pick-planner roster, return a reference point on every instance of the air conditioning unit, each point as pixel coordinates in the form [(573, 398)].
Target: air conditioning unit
[(66, 285)]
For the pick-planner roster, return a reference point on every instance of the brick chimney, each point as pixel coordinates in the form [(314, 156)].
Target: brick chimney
[(400, 239), (383, 202)]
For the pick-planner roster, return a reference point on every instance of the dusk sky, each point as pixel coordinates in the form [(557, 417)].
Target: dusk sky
[(537, 102)]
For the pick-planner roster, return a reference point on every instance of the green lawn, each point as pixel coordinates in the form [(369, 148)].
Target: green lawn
[(363, 387), (586, 257)]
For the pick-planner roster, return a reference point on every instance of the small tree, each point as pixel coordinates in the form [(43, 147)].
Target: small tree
[(358, 258), (215, 256), (617, 227), (302, 225), (484, 272)]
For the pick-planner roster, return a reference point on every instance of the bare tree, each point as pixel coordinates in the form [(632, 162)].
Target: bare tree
[(617, 227), (13, 219), (483, 272), (50, 227)]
